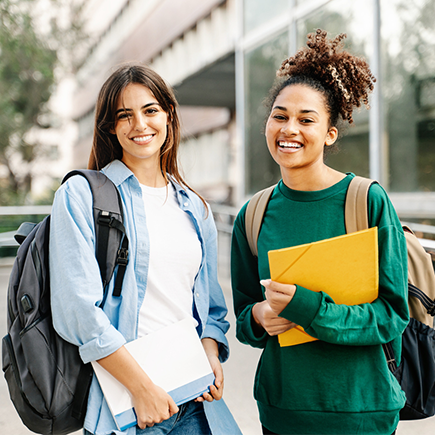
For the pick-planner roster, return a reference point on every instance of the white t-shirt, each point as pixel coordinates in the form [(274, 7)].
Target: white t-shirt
[(175, 258)]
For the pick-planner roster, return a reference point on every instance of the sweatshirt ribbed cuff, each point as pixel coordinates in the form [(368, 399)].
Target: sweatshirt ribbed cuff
[(303, 307)]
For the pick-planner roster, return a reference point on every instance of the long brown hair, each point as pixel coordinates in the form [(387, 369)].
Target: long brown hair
[(106, 147)]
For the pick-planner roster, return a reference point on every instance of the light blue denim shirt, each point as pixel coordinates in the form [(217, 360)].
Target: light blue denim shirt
[(77, 291)]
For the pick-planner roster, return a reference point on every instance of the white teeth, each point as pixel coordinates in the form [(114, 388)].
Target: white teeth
[(142, 138), (289, 144)]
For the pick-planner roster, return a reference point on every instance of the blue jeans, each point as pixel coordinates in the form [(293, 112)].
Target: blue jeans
[(189, 420)]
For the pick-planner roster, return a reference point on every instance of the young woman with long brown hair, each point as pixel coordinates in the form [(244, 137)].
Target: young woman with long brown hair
[(172, 267)]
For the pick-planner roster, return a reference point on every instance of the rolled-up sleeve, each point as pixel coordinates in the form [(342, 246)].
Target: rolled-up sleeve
[(76, 286)]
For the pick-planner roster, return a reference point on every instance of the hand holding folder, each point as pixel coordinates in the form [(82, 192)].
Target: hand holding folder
[(344, 267)]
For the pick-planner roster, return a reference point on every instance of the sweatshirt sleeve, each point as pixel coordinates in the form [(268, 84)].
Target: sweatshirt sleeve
[(246, 286), (366, 324)]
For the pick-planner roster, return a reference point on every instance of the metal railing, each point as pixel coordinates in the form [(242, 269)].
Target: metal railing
[(36, 211), (224, 216)]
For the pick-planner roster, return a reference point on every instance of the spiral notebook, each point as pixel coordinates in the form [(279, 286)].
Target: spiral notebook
[(174, 359)]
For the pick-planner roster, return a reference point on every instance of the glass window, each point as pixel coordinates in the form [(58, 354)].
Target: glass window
[(408, 43), (355, 19), (257, 12), (261, 65)]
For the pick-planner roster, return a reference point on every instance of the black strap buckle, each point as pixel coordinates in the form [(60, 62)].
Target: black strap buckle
[(431, 311), (122, 258), (104, 218)]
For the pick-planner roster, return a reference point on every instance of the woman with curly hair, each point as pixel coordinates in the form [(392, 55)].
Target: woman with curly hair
[(340, 383)]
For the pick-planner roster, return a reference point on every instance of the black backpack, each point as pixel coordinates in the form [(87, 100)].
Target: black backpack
[(416, 372), (47, 380)]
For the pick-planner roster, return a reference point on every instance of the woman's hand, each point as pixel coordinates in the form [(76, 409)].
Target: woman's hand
[(216, 390), (151, 403), (265, 317), (278, 295)]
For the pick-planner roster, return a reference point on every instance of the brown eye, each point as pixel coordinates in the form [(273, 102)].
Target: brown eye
[(123, 115), (279, 117)]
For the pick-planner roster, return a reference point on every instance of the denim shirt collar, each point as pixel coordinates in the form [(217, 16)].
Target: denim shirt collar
[(118, 172)]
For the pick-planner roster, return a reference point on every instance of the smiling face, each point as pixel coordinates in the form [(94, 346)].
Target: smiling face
[(140, 126), (298, 129)]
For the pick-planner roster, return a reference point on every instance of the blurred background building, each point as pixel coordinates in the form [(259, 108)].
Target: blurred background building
[(191, 44), (221, 58), (394, 142)]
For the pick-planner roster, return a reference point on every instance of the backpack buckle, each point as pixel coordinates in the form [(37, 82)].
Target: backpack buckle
[(122, 258), (104, 218)]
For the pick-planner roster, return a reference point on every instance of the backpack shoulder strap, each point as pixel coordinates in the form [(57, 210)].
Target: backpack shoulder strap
[(111, 250), (108, 214), (356, 210), (105, 194), (356, 219), (254, 216)]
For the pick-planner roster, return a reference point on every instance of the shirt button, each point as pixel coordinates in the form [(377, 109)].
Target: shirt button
[(186, 204), (197, 295)]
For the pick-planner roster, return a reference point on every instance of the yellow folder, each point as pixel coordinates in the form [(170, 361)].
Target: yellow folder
[(344, 267)]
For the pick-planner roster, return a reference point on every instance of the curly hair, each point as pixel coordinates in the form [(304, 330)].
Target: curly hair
[(345, 80)]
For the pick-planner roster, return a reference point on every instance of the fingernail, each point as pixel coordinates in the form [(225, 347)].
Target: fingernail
[(265, 282)]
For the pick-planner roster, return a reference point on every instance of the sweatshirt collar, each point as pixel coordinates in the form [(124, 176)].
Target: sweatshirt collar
[(316, 195)]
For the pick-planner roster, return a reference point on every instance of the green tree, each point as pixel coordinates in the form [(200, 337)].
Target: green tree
[(29, 58)]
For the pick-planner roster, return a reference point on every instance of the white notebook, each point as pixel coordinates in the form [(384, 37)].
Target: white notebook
[(173, 358)]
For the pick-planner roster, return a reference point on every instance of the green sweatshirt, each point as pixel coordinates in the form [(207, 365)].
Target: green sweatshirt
[(340, 384)]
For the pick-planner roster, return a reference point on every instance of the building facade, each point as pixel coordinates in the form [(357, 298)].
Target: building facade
[(191, 44), (394, 142), (221, 58)]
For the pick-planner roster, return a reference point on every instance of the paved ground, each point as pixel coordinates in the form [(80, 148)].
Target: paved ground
[(239, 373)]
